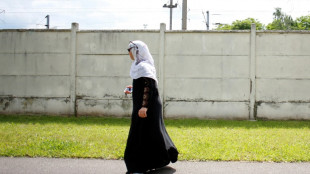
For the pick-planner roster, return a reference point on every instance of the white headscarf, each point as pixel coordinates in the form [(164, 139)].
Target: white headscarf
[(143, 65)]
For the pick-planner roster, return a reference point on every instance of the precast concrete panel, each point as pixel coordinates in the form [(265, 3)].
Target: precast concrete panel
[(105, 65), (283, 90), (233, 44), (110, 107), (207, 110), (207, 66), (282, 43), (102, 87), (283, 111), (291, 67), (190, 89), (35, 86), (35, 42), (114, 42), (35, 64), (33, 105)]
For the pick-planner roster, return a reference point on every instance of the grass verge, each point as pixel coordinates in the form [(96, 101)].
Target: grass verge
[(97, 137)]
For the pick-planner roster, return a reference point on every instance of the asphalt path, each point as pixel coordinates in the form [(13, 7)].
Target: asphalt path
[(10, 165)]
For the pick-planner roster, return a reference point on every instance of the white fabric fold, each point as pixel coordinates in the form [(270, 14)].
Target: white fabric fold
[(143, 65)]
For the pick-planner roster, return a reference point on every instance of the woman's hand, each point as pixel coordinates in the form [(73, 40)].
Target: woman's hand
[(142, 112)]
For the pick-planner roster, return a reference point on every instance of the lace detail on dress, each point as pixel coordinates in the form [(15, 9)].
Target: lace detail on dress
[(146, 94)]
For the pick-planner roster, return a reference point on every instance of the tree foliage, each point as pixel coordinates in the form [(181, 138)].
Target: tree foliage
[(281, 21), (303, 22), (223, 27), (242, 25), (246, 24)]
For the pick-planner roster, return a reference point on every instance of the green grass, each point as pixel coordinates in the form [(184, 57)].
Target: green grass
[(97, 137)]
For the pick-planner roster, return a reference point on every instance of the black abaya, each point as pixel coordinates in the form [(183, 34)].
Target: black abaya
[(149, 145)]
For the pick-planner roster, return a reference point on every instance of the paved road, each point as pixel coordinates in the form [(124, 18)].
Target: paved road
[(94, 166)]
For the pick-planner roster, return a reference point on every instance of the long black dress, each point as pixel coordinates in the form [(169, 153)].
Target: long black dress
[(148, 145)]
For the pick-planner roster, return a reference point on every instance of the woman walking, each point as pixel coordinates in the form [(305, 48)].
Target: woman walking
[(148, 145)]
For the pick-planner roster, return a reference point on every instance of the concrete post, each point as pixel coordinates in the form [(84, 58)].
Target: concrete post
[(161, 64), (74, 29), (252, 72)]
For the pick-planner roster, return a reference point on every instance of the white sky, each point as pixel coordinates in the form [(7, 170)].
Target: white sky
[(139, 14)]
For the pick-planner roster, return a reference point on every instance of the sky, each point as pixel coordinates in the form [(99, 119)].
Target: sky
[(139, 14)]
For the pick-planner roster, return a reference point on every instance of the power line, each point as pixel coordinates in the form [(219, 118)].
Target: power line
[(124, 10), (33, 10), (2, 11)]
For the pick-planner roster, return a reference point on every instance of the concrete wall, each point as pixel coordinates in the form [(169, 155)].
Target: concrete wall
[(34, 72), (103, 68), (283, 75), (207, 75), (214, 75)]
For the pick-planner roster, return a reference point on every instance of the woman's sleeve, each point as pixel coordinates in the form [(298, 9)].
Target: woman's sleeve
[(148, 91)]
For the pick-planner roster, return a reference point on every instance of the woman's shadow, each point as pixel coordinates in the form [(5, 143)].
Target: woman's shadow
[(164, 170)]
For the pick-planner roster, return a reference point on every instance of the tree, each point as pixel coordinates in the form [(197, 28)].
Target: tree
[(223, 27), (303, 22), (242, 25), (246, 24), (282, 21)]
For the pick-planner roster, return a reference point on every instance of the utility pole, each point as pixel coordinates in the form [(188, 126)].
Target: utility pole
[(184, 15), (170, 6), (47, 21), (207, 21)]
